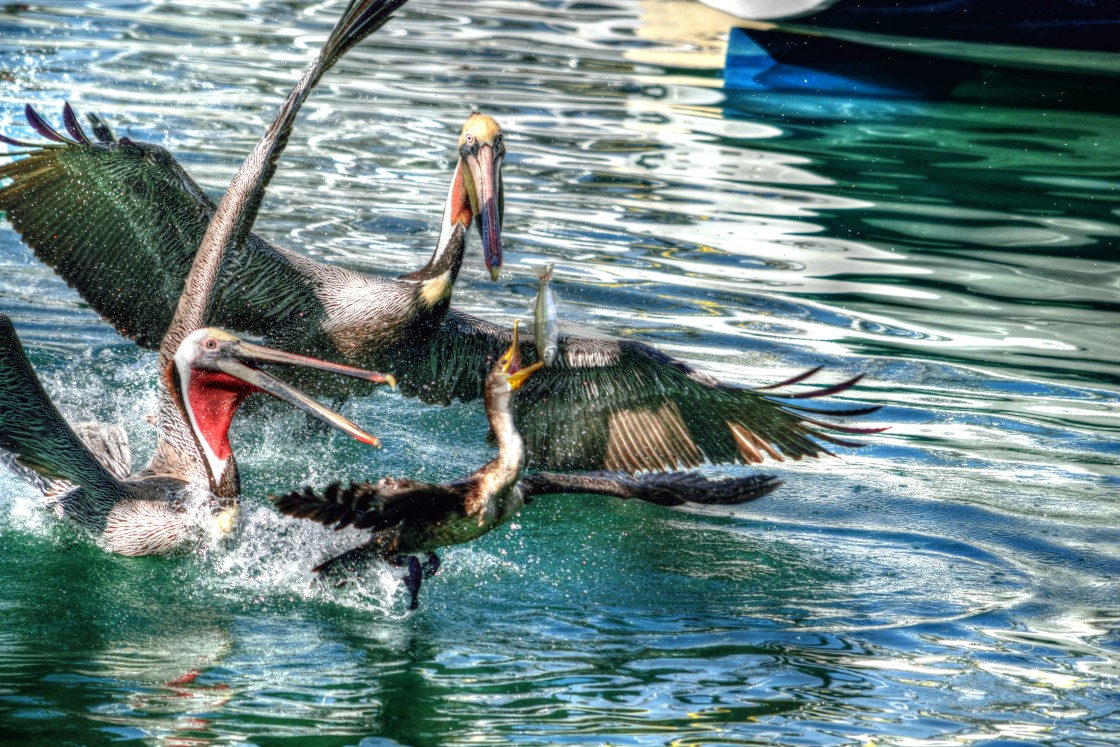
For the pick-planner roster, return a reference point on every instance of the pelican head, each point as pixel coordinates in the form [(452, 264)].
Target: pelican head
[(217, 371), (481, 149)]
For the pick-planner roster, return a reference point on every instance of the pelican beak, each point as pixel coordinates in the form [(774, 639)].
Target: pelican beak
[(511, 363), (487, 202), (243, 353)]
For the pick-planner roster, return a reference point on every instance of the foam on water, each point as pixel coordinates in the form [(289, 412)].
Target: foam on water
[(269, 558)]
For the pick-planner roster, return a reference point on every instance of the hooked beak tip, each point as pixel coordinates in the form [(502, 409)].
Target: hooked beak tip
[(391, 380), (494, 272)]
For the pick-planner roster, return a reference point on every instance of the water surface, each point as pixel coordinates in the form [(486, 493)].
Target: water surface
[(954, 582)]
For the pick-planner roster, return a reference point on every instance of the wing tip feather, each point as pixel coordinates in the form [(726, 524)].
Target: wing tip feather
[(41, 126), (73, 126)]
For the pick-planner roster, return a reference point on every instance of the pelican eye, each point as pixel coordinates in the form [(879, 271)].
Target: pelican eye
[(211, 344)]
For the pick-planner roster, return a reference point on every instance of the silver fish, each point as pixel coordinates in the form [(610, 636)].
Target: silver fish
[(545, 327)]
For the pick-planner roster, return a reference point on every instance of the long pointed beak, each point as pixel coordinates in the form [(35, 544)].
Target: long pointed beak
[(247, 351), (511, 363), (269, 384), (486, 173), (511, 359)]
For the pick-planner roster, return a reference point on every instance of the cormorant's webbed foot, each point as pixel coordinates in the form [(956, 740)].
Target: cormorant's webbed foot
[(413, 575), (431, 565), (344, 567)]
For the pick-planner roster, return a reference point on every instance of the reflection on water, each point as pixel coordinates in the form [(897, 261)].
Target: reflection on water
[(953, 582)]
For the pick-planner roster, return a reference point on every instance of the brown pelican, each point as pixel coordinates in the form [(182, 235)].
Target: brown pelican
[(406, 516), (204, 372), (325, 308), (190, 490), (106, 211)]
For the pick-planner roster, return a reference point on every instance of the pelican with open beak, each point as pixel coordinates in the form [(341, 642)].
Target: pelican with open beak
[(85, 470), (215, 371), (205, 373)]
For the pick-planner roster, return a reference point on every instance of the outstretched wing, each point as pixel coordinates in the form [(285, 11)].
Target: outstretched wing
[(662, 488), (602, 404), (120, 221), (623, 405), (238, 209), (371, 505), (32, 429)]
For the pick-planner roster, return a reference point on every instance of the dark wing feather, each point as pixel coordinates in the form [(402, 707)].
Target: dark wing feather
[(121, 220), (371, 505), (627, 406), (455, 361), (662, 488), (32, 428), (622, 405), (333, 506)]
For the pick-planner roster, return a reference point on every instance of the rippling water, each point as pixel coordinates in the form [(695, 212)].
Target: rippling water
[(954, 582)]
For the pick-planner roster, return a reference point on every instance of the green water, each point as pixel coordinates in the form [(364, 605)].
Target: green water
[(952, 583)]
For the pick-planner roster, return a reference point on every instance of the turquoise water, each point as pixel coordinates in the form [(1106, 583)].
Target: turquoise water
[(953, 583)]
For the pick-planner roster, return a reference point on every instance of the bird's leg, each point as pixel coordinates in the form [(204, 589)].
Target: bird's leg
[(412, 576), (431, 565)]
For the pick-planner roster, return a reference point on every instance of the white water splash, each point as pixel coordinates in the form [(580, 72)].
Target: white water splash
[(269, 558)]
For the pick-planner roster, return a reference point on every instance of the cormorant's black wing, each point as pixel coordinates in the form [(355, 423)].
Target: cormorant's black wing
[(623, 405), (371, 505), (662, 488)]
